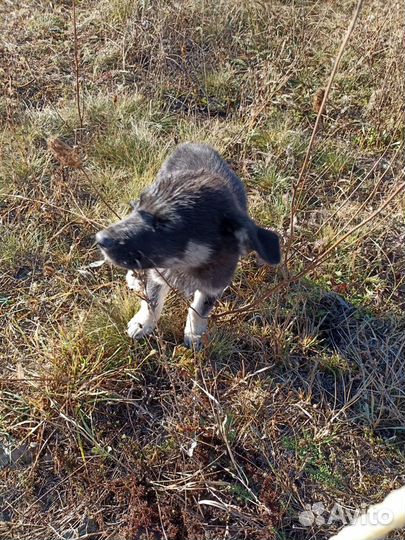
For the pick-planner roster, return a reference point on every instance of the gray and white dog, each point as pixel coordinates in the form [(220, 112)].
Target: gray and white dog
[(187, 231)]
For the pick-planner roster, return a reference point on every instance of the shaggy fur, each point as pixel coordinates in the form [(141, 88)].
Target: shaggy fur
[(187, 231)]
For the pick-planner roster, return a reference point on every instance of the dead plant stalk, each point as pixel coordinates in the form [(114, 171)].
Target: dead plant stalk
[(77, 67), (318, 261), (298, 186)]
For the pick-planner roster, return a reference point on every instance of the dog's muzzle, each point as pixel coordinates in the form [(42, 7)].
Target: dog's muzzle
[(104, 241)]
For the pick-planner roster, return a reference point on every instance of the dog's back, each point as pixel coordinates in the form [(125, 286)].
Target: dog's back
[(194, 156)]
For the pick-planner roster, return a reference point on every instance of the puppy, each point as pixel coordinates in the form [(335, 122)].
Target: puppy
[(187, 231)]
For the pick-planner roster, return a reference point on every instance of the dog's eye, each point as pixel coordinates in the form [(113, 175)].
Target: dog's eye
[(147, 217), (160, 223)]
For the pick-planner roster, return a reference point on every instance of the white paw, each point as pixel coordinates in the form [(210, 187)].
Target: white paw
[(193, 341), (141, 325), (133, 282), (194, 332)]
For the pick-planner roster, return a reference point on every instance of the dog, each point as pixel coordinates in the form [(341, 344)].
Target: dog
[(187, 231)]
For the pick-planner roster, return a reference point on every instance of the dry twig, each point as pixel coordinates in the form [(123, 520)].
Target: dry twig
[(297, 187), (69, 157), (77, 69), (319, 260)]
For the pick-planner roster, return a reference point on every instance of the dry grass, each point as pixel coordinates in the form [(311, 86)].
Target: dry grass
[(296, 401)]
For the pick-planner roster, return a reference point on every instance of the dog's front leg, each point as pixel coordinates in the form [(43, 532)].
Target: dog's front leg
[(133, 282), (145, 320), (197, 319)]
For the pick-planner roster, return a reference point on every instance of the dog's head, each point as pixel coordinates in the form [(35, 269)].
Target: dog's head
[(185, 220)]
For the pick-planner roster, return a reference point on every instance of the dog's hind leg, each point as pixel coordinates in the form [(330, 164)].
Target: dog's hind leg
[(145, 320), (197, 319)]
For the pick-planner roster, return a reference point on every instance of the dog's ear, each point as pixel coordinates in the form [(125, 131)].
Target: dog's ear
[(266, 243), (251, 237)]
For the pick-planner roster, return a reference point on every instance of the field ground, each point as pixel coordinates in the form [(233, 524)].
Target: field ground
[(299, 400)]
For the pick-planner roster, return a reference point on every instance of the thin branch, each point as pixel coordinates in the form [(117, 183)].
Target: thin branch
[(318, 261), (326, 254), (101, 197), (297, 188), (95, 224), (364, 203), (70, 157), (77, 69), (358, 186)]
